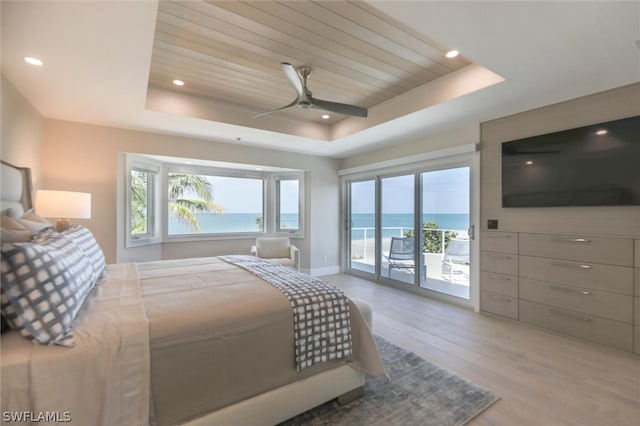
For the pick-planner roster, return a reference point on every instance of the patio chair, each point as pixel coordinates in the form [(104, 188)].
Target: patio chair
[(456, 259), (401, 253)]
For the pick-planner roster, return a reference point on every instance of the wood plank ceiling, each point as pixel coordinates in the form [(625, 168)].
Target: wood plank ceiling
[(230, 53)]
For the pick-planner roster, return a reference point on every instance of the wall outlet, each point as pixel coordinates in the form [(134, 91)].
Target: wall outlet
[(492, 223), (324, 259)]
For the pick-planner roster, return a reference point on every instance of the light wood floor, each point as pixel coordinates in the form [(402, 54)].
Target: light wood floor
[(543, 378)]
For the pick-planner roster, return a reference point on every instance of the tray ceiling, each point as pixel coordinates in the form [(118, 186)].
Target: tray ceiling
[(228, 53), (98, 59)]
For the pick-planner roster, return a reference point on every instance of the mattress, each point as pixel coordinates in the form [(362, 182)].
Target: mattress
[(219, 334)]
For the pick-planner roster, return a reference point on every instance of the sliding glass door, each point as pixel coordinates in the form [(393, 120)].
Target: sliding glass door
[(445, 221), (411, 230), (361, 226), (397, 228)]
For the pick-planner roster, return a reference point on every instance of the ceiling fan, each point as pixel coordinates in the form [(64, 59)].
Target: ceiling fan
[(304, 100)]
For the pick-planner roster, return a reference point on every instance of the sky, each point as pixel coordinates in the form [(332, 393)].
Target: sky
[(237, 195), (240, 195), (444, 191)]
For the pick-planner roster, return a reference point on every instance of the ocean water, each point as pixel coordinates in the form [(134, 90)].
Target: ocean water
[(228, 222), (396, 224)]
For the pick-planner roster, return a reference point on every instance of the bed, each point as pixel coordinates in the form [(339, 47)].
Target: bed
[(189, 341)]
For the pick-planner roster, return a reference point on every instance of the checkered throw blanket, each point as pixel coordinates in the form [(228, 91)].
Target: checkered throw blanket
[(321, 320)]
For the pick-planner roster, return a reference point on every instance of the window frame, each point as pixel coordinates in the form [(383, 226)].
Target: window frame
[(162, 166), (214, 172), (153, 169), (165, 165), (299, 177)]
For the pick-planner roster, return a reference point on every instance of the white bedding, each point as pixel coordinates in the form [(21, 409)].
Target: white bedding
[(152, 331), (104, 379)]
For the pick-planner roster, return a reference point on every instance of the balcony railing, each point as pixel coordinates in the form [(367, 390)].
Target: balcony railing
[(363, 240)]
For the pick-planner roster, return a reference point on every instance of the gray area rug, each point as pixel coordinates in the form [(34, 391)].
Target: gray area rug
[(417, 392)]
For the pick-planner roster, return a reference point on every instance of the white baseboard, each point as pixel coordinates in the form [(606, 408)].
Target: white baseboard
[(325, 270)]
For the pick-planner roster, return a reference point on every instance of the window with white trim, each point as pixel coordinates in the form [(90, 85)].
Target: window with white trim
[(142, 194), (288, 204), (214, 204), (172, 201)]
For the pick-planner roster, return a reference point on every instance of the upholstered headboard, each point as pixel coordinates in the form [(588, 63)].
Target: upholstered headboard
[(15, 192)]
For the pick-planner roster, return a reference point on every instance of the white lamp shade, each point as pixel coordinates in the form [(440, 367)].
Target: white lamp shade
[(63, 204)]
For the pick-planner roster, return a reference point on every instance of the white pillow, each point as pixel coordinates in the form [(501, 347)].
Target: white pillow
[(11, 231)]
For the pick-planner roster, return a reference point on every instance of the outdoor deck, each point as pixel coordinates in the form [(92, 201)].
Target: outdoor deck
[(438, 278)]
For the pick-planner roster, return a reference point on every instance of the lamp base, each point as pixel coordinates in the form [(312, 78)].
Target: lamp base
[(62, 225)]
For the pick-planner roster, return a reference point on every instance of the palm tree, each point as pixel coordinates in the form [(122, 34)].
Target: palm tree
[(138, 202), (185, 208)]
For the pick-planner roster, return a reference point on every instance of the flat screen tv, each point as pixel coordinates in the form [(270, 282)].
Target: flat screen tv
[(596, 165)]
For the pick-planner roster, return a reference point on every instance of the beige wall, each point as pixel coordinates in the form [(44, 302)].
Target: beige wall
[(21, 133), (82, 157), (605, 106)]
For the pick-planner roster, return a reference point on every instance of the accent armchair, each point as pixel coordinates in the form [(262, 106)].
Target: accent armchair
[(277, 250)]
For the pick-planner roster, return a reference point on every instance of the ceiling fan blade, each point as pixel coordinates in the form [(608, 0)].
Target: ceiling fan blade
[(295, 78), (339, 108), (298, 78), (292, 104)]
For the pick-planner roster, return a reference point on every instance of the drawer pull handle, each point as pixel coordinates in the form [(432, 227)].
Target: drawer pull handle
[(499, 299), (499, 235), (572, 240), (571, 265), (569, 315), (500, 277), (571, 290), (500, 256)]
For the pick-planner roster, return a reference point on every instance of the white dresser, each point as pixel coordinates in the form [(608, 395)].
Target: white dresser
[(580, 285), (499, 273)]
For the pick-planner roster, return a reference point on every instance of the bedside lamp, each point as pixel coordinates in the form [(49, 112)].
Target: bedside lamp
[(64, 205)]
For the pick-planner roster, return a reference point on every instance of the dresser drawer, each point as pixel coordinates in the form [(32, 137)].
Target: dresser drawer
[(613, 251), (499, 304), (502, 263), (600, 330), (616, 279), (504, 242), (493, 282), (579, 299)]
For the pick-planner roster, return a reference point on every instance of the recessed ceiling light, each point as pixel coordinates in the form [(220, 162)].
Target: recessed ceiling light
[(452, 54), (325, 116), (529, 162), (602, 132), (178, 82), (33, 61)]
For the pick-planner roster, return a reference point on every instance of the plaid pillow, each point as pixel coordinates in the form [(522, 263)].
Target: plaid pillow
[(43, 287), (83, 238)]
